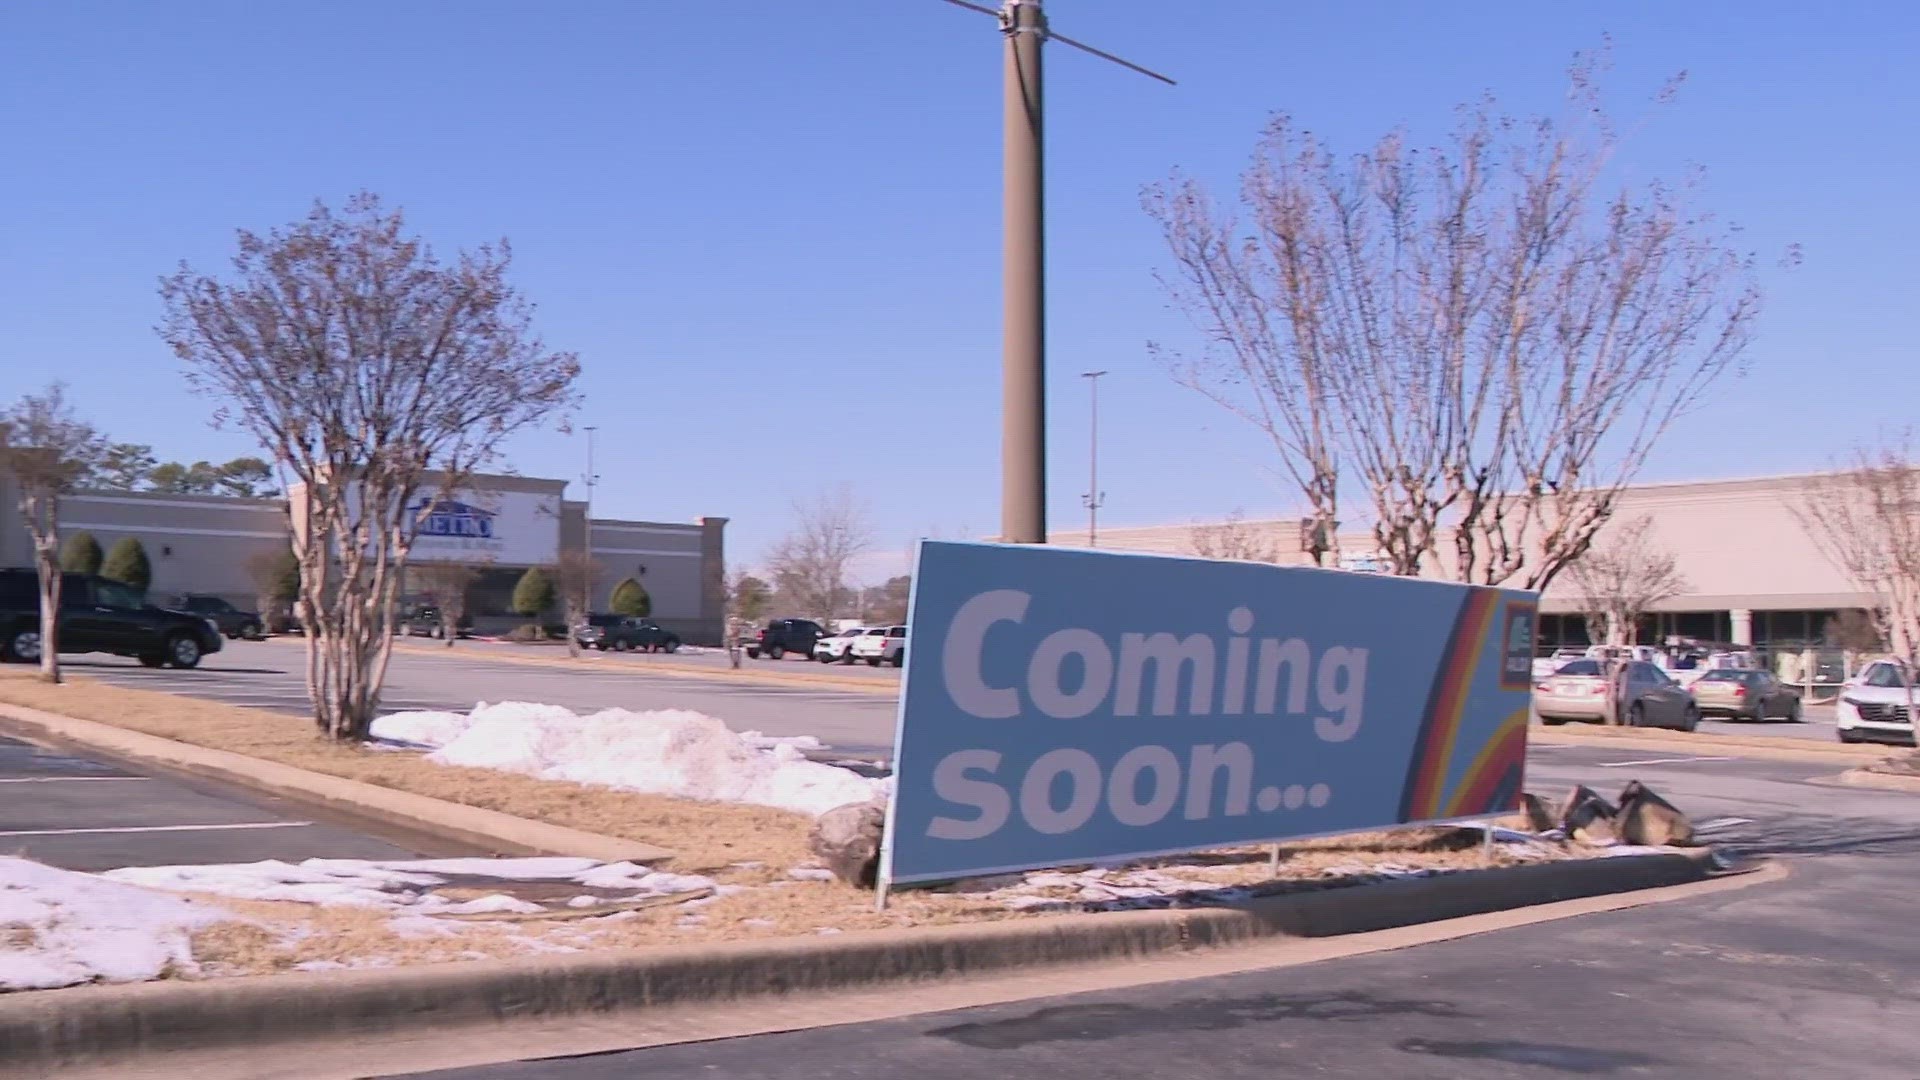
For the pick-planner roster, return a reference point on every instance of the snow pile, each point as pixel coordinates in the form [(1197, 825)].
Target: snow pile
[(673, 752), (61, 928), (405, 886)]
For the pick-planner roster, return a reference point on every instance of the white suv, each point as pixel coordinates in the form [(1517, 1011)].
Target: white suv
[(1873, 705), (881, 646), (833, 649)]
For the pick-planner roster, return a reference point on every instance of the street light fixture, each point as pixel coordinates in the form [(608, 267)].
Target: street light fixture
[(1094, 499)]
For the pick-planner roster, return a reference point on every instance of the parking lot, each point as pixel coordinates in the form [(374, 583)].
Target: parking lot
[(82, 813), (270, 675)]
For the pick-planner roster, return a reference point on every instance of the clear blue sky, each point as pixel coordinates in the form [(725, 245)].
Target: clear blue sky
[(771, 229)]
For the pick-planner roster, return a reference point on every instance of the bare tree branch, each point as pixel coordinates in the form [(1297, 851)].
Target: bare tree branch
[(1866, 520), (1234, 538), (809, 565), (50, 452), (1622, 581), (383, 378), (1473, 338)]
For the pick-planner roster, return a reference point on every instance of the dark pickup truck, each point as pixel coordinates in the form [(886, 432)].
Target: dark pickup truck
[(623, 632), (783, 636), (97, 615)]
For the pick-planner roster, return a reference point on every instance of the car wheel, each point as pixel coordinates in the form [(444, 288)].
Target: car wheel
[(1636, 716), (873, 661), (776, 652), (1553, 721), (183, 652), (671, 645), (1793, 712), (1847, 735), (753, 654), (152, 660), (1690, 720), (23, 647), (900, 658), (823, 658), (253, 631)]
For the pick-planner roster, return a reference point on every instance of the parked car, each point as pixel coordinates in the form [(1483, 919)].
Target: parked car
[(1745, 694), (97, 615), (232, 621), (623, 632), (1578, 691), (783, 636), (833, 648), (882, 646), (1873, 706), (425, 620)]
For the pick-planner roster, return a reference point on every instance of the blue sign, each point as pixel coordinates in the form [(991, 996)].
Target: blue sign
[(1066, 706), (448, 517)]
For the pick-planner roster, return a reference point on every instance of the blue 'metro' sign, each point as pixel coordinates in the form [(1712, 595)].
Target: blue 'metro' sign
[(450, 517), (1067, 706)]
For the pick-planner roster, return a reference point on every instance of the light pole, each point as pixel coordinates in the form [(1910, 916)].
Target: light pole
[(1094, 498), (1023, 421), (587, 564)]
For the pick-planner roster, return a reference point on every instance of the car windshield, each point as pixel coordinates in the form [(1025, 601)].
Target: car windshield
[(1580, 667), (1884, 675)]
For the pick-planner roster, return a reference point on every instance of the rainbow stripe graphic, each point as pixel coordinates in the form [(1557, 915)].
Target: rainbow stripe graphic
[(1492, 780)]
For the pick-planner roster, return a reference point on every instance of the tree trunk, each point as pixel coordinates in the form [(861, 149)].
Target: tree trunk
[(49, 615)]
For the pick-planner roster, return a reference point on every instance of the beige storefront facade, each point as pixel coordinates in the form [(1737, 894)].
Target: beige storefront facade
[(1754, 575), (211, 544)]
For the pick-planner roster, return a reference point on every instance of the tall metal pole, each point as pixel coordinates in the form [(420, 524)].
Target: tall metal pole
[(1023, 440), (587, 563), (1094, 497)]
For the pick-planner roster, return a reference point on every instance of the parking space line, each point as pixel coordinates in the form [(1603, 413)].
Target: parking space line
[(63, 779), (160, 828), (1659, 761)]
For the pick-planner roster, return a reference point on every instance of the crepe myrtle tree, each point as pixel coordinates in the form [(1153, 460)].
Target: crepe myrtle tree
[(49, 452), (382, 378), (1477, 339)]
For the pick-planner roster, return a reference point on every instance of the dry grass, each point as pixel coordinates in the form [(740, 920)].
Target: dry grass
[(711, 838), (705, 836)]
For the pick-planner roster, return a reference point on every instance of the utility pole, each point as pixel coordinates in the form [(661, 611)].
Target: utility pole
[(1094, 499), (1023, 343)]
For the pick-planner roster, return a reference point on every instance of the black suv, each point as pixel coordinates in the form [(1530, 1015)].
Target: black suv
[(231, 620), (97, 615), (783, 636), (623, 632)]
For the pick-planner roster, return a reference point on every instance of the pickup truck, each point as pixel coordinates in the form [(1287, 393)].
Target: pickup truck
[(98, 615)]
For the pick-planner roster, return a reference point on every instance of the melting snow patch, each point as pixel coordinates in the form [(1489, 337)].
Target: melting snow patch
[(810, 873), (670, 752), (61, 928), (404, 886)]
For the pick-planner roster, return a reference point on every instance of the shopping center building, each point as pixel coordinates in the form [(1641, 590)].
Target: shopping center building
[(1753, 574), (499, 525)]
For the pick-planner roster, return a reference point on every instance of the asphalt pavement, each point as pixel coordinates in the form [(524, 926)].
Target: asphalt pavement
[(270, 675), (1811, 976), (82, 813)]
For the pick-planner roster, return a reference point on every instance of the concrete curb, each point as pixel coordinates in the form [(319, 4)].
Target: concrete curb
[(787, 678), (483, 830), (95, 1026), (1883, 781), (1701, 743)]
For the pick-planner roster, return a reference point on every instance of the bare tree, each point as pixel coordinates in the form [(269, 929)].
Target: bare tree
[(1234, 538), (1474, 337), (446, 584), (809, 565), (383, 378), (1866, 520), (574, 573), (50, 452), (1619, 582)]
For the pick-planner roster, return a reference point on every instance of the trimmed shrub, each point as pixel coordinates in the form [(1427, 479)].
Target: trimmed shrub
[(128, 564), (81, 554), (630, 598), (534, 593)]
